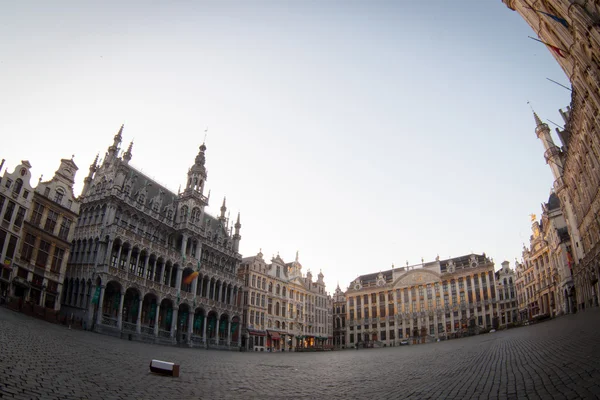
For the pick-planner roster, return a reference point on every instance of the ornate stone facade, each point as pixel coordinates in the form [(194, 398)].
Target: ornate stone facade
[(506, 291), (284, 310), (577, 35), (545, 279), (339, 319), (41, 221), (151, 264), (428, 301)]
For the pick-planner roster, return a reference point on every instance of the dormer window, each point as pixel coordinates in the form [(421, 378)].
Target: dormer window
[(8, 183), (47, 192), (141, 198)]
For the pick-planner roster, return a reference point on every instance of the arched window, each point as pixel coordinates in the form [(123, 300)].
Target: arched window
[(253, 280), (271, 287), (283, 293), (264, 283), (277, 308), (278, 289)]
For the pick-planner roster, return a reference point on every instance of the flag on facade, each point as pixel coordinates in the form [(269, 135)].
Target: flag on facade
[(554, 17), (558, 51), (96, 295), (569, 260), (190, 278)]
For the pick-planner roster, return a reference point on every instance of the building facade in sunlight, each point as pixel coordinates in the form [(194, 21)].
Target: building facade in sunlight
[(429, 301), (35, 246), (151, 264), (284, 310), (570, 31), (544, 279)]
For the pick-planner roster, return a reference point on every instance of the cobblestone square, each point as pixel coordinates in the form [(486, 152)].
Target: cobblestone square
[(555, 359)]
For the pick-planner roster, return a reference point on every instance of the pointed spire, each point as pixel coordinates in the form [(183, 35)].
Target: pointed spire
[(538, 121), (127, 155), (238, 225), (119, 135), (223, 209), (297, 255)]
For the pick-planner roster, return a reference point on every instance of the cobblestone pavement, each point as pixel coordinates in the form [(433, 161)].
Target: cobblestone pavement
[(555, 359)]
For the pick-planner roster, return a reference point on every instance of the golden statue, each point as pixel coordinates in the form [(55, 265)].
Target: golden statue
[(533, 217)]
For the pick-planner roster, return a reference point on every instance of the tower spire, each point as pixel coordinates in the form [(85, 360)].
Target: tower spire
[(223, 209), (127, 156), (112, 150), (236, 236)]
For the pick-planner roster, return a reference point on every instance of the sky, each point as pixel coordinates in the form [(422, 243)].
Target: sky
[(360, 133)]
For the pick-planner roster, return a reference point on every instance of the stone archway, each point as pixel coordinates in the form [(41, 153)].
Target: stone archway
[(165, 317), (235, 330), (183, 315), (199, 323), (149, 313), (211, 327), (223, 327)]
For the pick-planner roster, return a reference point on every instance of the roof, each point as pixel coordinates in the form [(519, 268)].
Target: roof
[(553, 202)]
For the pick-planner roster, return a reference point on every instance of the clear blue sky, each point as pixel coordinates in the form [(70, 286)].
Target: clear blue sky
[(361, 133)]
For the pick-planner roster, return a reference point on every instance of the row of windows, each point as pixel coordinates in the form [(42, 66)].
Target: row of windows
[(278, 289), (403, 294), (18, 185), (9, 212), (43, 253)]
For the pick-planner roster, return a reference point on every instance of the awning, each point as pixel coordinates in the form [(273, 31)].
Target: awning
[(274, 335), (255, 332)]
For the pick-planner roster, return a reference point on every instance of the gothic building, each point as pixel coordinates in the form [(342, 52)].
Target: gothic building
[(432, 300), (284, 310), (571, 30), (151, 264)]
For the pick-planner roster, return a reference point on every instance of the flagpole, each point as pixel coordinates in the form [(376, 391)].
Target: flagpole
[(569, 89)]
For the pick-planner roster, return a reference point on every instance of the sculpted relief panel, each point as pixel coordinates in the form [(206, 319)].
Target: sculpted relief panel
[(417, 278)]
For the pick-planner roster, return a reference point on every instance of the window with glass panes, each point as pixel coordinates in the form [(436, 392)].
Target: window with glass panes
[(43, 253), (27, 248), (51, 221), (8, 213), (65, 225), (20, 217), (57, 259)]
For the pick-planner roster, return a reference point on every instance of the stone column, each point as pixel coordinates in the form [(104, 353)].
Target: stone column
[(190, 327), (138, 326), (146, 261), (156, 320), (204, 329), (161, 277), (435, 324), (108, 253), (120, 314), (128, 259), (169, 277), (179, 277), (228, 332), (174, 322), (218, 291), (194, 286), (100, 301), (239, 341)]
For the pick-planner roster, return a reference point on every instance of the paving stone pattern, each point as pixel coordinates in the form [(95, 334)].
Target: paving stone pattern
[(558, 359)]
